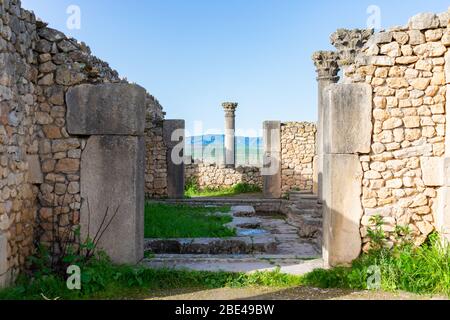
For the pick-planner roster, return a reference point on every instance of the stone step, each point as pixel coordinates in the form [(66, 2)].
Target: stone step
[(308, 225), (245, 223), (235, 245), (243, 211), (299, 196), (288, 264)]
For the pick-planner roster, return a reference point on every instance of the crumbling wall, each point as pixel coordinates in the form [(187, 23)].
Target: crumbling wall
[(297, 156)]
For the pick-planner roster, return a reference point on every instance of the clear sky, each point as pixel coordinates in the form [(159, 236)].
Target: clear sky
[(194, 54)]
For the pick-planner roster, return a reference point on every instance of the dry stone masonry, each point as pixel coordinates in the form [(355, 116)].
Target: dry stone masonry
[(40, 161), (298, 143), (402, 160), (77, 141), (211, 175)]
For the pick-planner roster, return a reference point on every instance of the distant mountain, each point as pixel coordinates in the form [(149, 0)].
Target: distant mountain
[(253, 142)]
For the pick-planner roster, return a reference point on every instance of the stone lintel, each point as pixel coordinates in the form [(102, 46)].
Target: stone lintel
[(106, 109)]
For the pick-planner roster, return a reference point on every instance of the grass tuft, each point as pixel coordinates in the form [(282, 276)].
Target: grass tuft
[(192, 190), (421, 270), (181, 221)]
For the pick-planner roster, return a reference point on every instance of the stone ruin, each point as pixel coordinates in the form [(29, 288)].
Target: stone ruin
[(73, 138), (79, 145), (382, 147)]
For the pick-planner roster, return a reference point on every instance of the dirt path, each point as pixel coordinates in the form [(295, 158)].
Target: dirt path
[(300, 293)]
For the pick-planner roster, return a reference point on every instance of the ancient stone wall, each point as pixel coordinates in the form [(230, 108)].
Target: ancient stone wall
[(40, 160), (297, 156), (19, 136), (219, 176), (407, 68), (156, 162)]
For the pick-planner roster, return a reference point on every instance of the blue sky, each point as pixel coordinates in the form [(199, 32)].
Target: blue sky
[(194, 54)]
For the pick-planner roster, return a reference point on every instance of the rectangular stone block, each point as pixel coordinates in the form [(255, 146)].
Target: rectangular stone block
[(35, 175), (441, 212), (173, 135), (4, 276), (342, 209), (271, 170), (348, 119), (447, 67), (112, 177), (432, 171), (106, 109), (316, 175), (447, 117)]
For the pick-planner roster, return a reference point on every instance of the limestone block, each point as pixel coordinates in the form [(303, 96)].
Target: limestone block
[(423, 21), (447, 117), (342, 209), (447, 67), (112, 177), (348, 122), (432, 171), (35, 175), (173, 135), (106, 109), (271, 170), (441, 211), (4, 278)]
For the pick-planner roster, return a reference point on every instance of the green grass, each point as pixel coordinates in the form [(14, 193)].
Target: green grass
[(422, 270), (181, 221), (103, 280), (192, 190)]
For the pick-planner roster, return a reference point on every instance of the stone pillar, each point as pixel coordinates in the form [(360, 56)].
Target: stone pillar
[(4, 274), (327, 70), (271, 170), (347, 133), (112, 116), (230, 127), (173, 135)]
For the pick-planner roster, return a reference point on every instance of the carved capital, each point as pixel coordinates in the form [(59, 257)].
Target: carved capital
[(326, 65), (349, 43), (230, 108)]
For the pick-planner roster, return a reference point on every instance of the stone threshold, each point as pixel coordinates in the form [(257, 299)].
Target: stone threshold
[(233, 245), (260, 205), (287, 264)]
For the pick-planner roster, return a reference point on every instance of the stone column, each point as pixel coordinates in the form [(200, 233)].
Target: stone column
[(173, 135), (271, 170), (327, 70), (4, 274), (230, 128), (112, 117), (347, 134)]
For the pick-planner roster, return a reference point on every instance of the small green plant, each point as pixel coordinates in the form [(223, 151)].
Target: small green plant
[(422, 270), (376, 234)]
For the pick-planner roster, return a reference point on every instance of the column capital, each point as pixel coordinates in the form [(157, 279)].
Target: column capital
[(230, 108), (326, 65), (349, 43)]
